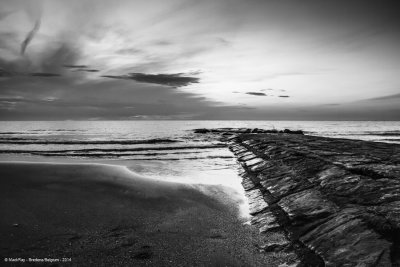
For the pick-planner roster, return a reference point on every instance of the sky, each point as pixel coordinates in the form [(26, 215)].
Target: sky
[(191, 59)]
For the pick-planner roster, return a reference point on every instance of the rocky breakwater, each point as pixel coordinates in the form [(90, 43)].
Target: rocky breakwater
[(336, 200)]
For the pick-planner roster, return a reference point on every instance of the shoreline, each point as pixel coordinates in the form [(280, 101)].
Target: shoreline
[(99, 214)]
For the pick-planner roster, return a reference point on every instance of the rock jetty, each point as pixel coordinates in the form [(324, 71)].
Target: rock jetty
[(336, 200), (231, 131)]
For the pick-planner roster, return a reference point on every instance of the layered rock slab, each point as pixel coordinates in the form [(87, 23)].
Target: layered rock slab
[(338, 198)]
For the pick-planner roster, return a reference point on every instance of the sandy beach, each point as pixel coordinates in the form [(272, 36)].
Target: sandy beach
[(96, 214)]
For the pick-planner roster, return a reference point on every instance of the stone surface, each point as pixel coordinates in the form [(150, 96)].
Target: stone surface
[(276, 246), (265, 221), (281, 186), (256, 201), (347, 240), (247, 183), (338, 199), (307, 205), (247, 156), (252, 162)]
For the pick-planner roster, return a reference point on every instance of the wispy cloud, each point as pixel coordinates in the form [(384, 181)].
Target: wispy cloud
[(30, 36), (34, 11), (129, 51)]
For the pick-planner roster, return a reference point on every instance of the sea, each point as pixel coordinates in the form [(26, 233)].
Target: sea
[(167, 150)]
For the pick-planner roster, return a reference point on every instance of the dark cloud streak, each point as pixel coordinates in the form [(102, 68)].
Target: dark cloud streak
[(45, 74), (174, 79), (76, 66), (255, 94), (88, 70)]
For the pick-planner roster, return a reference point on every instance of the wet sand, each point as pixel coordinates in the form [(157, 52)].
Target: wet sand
[(101, 215)]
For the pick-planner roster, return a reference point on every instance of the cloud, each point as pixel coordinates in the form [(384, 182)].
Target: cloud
[(62, 55), (35, 98), (332, 104), (6, 14), (255, 93), (49, 60), (75, 66), (50, 99), (45, 74), (88, 70), (128, 51), (174, 79), (4, 73), (30, 36), (163, 42), (82, 68), (224, 42), (236, 46), (11, 98), (387, 97), (34, 11)]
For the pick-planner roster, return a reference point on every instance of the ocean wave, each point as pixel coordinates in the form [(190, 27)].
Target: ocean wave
[(373, 133), (114, 154), (24, 141), (39, 131), (133, 156), (14, 133), (360, 135), (391, 133), (187, 158), (388, 140), (116, 150), (58, 130)]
